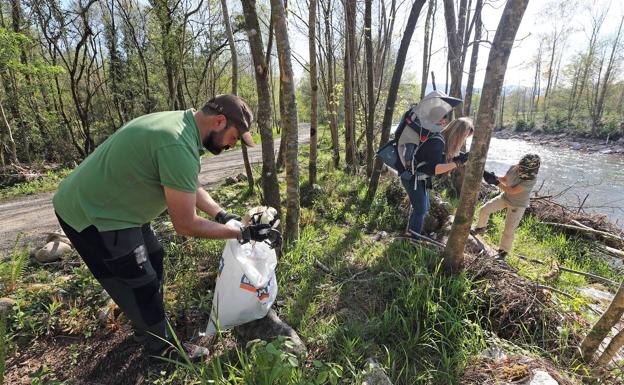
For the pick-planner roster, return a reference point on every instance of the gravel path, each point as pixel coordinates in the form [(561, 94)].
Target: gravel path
[(33, 216)]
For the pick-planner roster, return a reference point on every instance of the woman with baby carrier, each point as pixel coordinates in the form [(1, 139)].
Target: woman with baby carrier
[(425, 148), (516, 186)]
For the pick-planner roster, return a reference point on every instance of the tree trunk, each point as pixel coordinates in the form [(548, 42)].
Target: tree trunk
[(474, 57), (234, 56), (605, 83), (8, 136), (392, 94), (349, 81), (602, 328), (455, 36), (370, 89), (331, 81), (426, 52), (492, 85), (270, 186), (612, 349), (291, 233), (314, 92)]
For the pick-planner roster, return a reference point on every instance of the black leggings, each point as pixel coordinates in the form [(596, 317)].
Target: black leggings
[(128, 263)]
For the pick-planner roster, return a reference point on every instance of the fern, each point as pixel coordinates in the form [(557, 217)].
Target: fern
[(19, 259)]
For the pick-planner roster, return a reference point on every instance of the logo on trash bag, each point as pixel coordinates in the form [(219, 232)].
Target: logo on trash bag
[(262, 293), (221, 266)]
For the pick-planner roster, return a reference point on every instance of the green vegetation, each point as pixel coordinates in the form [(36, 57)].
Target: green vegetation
[(47, 182), (382, 297)]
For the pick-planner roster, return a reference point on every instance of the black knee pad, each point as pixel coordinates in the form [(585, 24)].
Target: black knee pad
[(150, 302), (156, 259)]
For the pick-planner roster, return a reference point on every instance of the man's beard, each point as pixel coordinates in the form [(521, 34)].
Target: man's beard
[(212, 140)]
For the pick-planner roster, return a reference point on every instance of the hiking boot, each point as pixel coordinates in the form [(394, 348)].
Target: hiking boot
[(193, 353), (139, 336), (478, 230), (502, 254)]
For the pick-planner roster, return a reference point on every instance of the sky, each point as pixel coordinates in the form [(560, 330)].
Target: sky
[(520, 70)]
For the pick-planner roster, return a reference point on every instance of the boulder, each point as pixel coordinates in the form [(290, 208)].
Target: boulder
[(6, 306), (57, 236), (52, 251), (541, 377), (375, 374), (269, 328), (576, 146)]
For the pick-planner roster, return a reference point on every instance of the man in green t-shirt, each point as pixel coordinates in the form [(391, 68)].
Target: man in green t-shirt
[(150, 165)]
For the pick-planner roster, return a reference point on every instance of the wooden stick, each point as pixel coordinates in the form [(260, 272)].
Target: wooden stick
[(563, 268), (588, 229), (563, 293), (612, 251)]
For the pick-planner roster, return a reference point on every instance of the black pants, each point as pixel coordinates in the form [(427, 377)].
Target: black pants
[(128, 264)]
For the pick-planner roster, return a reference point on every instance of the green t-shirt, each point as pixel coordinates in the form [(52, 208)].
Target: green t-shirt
[(120, 185)]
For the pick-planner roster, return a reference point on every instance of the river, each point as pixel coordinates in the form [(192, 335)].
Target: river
[(598, 176)]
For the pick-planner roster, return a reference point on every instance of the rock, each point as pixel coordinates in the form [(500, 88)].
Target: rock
[(108, 312), (576, 146), (241, 177), (229, 181), (541, 377), (269, 328), (375, 374), (52, 251), (606, 151), (381, 235), (495, 353), (58, 236), (6, 306)]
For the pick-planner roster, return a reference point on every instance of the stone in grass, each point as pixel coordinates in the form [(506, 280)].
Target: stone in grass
[(6, 306), (375, 374), (541, 377), (269, 328), (52, 251)]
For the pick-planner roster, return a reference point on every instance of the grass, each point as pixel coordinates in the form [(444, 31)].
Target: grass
[(48, 182), (384, 299)]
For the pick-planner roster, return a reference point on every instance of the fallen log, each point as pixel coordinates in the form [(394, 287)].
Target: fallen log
[(612, 251)]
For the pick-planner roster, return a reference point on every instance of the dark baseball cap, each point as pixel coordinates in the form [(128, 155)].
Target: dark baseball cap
[(237, 112)]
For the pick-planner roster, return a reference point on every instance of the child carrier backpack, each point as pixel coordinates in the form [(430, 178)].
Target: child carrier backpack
[(400, 152)]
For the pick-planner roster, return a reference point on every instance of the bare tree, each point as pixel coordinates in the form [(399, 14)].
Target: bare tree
[(492, 85), (455, 31), (349, 81), (234, 57), (580, 81), (313, 90), (270, 186), (392, 93), (428, 41), (597, 108), (474, 57), (370, 88), (289, 120)]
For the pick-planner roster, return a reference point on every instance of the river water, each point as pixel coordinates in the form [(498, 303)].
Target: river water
[(598, 176)]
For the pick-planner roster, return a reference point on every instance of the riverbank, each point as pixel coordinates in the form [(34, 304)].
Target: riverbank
[(566, 140)]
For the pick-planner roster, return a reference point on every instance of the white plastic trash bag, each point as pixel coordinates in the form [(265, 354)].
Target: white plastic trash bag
[(246, 286)]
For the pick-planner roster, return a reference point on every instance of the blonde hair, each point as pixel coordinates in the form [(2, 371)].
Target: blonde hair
[(455, 134)]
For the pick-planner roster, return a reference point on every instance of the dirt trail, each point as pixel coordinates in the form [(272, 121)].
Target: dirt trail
[(33, 216)]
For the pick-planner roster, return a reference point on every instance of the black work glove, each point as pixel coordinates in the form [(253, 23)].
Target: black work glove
[(256, 233), (461, 158), (224, 217), (490, 178)]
